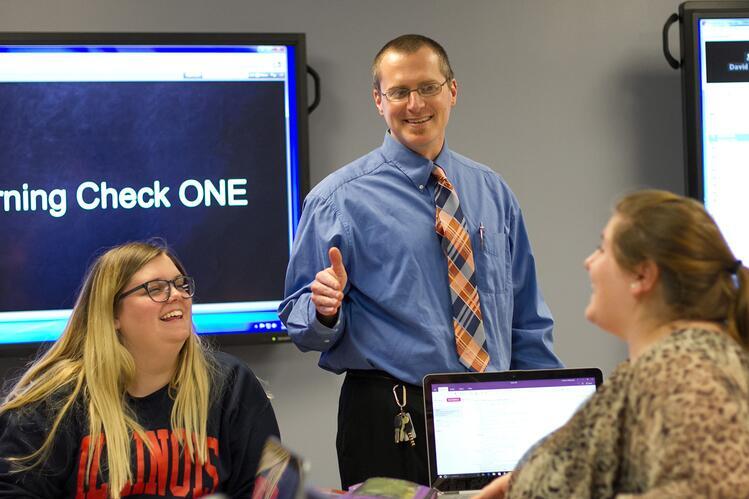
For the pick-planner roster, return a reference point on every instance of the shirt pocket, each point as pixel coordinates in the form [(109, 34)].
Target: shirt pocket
[(492, 258)]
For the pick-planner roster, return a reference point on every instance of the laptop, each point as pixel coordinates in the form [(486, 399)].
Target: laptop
[(479, 425)]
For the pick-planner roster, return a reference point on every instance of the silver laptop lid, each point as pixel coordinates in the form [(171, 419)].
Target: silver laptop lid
[(480, 424)]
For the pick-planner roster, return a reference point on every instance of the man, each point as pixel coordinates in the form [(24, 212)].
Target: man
[(387, 259)]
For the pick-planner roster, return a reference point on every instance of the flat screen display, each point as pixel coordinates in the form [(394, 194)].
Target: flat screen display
[(200, 140), (716, 73)]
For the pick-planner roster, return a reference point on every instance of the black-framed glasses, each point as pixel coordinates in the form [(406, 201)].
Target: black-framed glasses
[(159, 290), (400, 94)]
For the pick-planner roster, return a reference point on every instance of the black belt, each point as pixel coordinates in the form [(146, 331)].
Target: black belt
[(376, 374)]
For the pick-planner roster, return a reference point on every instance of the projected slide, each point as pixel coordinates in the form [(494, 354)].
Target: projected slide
[(190, 148), (724, 58)]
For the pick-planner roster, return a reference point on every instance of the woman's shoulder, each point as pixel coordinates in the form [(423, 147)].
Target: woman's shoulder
[(41, 413), (689, 361), (24, 428), (227, 365), (693, 349), (232, 375)]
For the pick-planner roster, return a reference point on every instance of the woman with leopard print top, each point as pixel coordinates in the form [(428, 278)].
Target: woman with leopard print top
[(673, 420)]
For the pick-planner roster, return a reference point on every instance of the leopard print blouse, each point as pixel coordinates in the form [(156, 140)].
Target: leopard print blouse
[(672, 424)]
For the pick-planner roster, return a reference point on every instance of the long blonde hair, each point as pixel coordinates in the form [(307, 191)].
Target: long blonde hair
[(700, 276), (88, 363)]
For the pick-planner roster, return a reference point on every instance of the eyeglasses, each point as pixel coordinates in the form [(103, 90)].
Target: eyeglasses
[(400, 94), (159, 290)]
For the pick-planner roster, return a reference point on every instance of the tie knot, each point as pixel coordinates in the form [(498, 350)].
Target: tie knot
[(439, 173)]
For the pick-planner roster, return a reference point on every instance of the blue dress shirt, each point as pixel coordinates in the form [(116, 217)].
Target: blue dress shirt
[(396, 314)]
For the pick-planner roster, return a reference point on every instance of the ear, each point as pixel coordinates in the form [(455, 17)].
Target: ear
[(117, 317), (377, 96), (453, 92), (646, 277)]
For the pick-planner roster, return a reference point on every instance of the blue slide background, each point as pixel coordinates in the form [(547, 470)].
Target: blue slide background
[(58, 135)]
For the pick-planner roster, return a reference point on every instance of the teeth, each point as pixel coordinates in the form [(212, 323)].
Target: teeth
[(419, 121), (174, 313)]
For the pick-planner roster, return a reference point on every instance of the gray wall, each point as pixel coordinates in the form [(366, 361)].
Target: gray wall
[(570, 100)]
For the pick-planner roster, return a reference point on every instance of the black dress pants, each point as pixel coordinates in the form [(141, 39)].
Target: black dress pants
[(366, 431)]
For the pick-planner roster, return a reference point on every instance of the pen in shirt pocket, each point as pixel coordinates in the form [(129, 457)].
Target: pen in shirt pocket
[(481, 235)]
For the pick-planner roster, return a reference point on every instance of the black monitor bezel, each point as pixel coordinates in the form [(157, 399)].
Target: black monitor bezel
[(690, 14), (297, 40)]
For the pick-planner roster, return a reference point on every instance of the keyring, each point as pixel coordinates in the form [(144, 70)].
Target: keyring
[(395, 396)]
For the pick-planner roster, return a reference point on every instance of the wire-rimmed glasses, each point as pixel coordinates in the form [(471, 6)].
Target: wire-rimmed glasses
[(400, 94)]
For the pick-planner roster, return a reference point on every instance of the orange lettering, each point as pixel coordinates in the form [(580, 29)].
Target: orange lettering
[(197, 490), (179, 490), (82, 467), (209, 467), (95, 492), (158, 458), (139, 466)]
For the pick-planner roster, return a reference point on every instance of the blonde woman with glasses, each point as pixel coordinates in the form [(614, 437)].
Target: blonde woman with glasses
[(128, 402)]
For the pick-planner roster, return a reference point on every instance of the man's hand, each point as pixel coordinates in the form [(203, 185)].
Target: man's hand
[(327, 289), (497, 489)]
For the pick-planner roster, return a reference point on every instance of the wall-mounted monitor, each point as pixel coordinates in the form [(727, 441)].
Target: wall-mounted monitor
[(715, 84), (199, 139)]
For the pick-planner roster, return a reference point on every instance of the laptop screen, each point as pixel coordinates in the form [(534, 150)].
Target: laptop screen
[(480, 425)]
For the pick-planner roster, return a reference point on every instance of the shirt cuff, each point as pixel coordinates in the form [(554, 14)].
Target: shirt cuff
[(324, 334)]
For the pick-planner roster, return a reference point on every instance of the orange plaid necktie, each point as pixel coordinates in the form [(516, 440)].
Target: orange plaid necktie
[(450, 224)]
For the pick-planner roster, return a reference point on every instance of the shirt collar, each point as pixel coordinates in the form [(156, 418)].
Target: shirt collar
[(415, 166)]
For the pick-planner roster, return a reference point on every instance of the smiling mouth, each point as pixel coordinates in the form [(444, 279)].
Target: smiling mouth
[(172, 316), (418, 121)]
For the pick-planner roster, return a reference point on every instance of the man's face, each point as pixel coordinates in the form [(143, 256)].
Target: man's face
[(418, 122)]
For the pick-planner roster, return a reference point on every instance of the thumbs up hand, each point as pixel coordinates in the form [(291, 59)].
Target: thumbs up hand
[(327, 288)]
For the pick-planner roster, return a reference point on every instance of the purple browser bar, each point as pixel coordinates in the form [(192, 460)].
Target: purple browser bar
[(530, 383)]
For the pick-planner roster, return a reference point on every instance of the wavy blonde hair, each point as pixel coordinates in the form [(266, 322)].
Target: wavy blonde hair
[(89, 363)]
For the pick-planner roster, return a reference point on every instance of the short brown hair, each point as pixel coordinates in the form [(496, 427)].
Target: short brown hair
[(408, 44), (701, 278)]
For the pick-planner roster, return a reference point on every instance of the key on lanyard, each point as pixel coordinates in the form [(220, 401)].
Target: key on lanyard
[(404, 426)]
